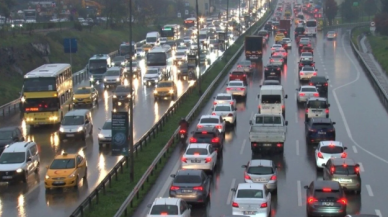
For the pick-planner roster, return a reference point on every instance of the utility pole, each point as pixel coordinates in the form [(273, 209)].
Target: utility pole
[(227, 25), (131, 173), (199, 51), (239, 17)]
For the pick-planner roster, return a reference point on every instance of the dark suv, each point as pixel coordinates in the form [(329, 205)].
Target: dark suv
[(209, 135), (272, 71), (325, 198), (303, 63), (319, 129), (320, 82), (345, 171), (299, 31)]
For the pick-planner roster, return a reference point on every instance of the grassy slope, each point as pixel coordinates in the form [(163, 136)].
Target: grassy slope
[(379, 45)]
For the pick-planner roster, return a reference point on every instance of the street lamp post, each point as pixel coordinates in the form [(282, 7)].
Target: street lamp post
[(239, 16), (198, 50), (130, 142), (227, 25)]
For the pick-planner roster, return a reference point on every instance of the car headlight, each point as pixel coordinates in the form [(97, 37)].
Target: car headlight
[(72, 175), (122, 63), (47, 177), (129, 96), (73, 98), (91, 79), (164, 70), (104, 79), (19, 170), (135, 69), (179, 70), (100, 136), (61, 129), (80, 129), (117, 79), (171, 91), (155, 91), (114, 96)]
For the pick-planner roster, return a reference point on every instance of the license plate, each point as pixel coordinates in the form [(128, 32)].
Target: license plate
[(266, 107), (272, 73), (322, 133), (59, 182), (318, 85), (7, 177), (327, 203), (316, 111), (195, 161), (187, 191), (260, 180), (182, 136), (249, 212), (266, 145), (41, 123), (69, 135), (254, 57)]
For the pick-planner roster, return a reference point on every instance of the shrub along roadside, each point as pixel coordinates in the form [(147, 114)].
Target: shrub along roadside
[(114, 196)]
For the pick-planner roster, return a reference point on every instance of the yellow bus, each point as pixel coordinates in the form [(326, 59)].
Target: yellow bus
[(46, 92)]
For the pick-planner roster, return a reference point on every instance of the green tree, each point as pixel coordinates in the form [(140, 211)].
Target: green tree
[(384, 4), (370, 7), (5, 8), (330, 10), (348, 12)]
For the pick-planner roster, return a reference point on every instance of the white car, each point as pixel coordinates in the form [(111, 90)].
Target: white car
[(307, 72), (277, 60), (275, 47), (331, 35), (182, 48), (105, 134), (261, 171), (252, 199), (180, 56), (306, 56), (152, 76), (236, 88), (317, 107), (227, 112), (199, 156), (305, 93), (187, 40), (329, 149), (212, 121), (224, 98), (176, 207)]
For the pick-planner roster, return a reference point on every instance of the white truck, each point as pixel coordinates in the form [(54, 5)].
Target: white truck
[(267, 133)]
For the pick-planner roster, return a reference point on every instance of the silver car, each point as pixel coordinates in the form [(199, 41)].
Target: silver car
[(112, 77), (105, 134), (276, 60), (305, 93), (224, 98), (306, 56), (307, 72), (331, 35), (180, 57), (237, 88), (261, 171)]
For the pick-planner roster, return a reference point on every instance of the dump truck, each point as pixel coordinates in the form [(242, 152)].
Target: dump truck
[(253, 48)]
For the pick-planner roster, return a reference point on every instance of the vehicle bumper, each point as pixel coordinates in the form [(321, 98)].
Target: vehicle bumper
[(43, 120), (237, 93), (305, 77), (315, 139), (327, 211), (351, 186), (70, 135), (257, 214), (270, 185), (11, 176), (198, 197), (150, 82), (207, 166), (267, 147), (104, 141), (319, 115), (302, 98), (64, 183)]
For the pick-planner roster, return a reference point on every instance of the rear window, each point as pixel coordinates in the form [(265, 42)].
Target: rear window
[(268, 120), (164, 210), (319, 193), (187, 179), (222, 109), (260, 170), (223, 98), (209, 121), (237, 73), (318, 79), (196, 151), (308, 69), (236, 84), (332, 149), (249, 193), (341, 170), (271, 99), (317, 104), (322, 125), (307, 89)]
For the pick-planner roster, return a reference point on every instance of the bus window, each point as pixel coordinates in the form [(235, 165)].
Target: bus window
[(311, 23), (39, 84)]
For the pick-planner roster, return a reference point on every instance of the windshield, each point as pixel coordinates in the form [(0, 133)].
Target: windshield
[(331, 32), (119, 59), (151, 39), (235, 84), (342, 170), (82, 91), (331, 149), (308, 69), (187, 179), (125, 49), (209, 121), (72, 120), (107, 125), (306, 54), (39, 84), (112, 73), (222, 109), (196, 151), (165, 84), (97, 64), (249, 193), (12, 157), (224, 98), (311, 23), (43, 104), (271, 99), (154, 59), (308, 89), (268, 120), (245, 63), (317, 104), (5, 135), (62, 164), (260, 170), (164, 209), (181, 53), (152, 71), (122, 89)]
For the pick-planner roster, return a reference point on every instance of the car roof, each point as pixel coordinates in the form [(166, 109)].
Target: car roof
[(210, 116), (65, 156), (320, 120), (271, 87), (18, 147), (224, 94), (188, 172), (307, 86), (235, 81), (341, 161), (77, 112), (167, 201), (198, 145), (250, 186), (317, 99), (330, 143), (320, 184), (9, 128), (222, 104), (260, 162)]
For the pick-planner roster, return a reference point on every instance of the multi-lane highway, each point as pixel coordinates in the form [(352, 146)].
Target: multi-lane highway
[(361, 125), (31, 199)]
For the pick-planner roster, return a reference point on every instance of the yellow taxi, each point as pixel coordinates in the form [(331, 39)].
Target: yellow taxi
[(296, 20), (279, 37), (85, 96), (66, 170), (165, 89), (147, 47)]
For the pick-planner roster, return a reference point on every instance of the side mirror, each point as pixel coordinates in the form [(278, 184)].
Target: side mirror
[(306, 187), (258, 96), (316, 69), (251, 122), (15, 138), (29, 159), (327, 79), (244, 166), (357, 165), (260, 85), (233, 189), (286, 123), (149, 205), (345, 148), (333, 123), (323, 165), (172, 175), (286, 96), (328, 105)]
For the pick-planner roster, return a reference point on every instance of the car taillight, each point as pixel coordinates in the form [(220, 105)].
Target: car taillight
[(264, 205), (332, 169), (311, 84), (239, 66), (316, 94), (344, 155), (199, 126), (342, 201), (183, 159), (232, 103), (174, 188), (273, 177), (266, 68), (213, 113), (326, 84), (320, 155), (271, 61), (198, 188), (302, 94), (278, 68), (246, 176), (208, 160), (234, 204), (244, 75), (214, 103), (182, 131), (300, 64), (163, 213), (307, 110), (301, 73), (241, 88), (314, 73), (192, 140), (219, 127), (327, 111), (228, 88), (230, 115), (357, 169), (300, 45), (281, 60), (215, 140)]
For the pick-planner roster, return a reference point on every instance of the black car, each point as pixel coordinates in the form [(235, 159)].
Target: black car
[(345, 171), (271, 82), (119, 61), (319, 129), (191, 185), (303, 63), (299, 31), (321, 83), (183, 70), (303, 44), (325, 198), (9, 135), (272, 71), (362, 215), (209, 135), (122, 95)]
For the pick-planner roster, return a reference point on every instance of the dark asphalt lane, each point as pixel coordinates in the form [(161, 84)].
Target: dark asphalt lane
[(361, 123), (32, 199)]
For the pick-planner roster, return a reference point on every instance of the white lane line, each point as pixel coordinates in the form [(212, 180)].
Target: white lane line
[(295, 97), (299, 187), (297, 147), (295, 83), (167, 183), (369, 189), (243, 146), (230, 192), (361, 167), (251, 116), (378, 213), (355, 149), (296, 118)]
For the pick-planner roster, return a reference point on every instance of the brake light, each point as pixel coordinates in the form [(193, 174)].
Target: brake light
[(278, 68), (182, 131), (307, 110), (199, 126), (246, 176), (300, 64), (326, 189), (320, 155), (163, 213), (241, 88), (327, 111), (344, 155), (204, 132), (219, 127), (271, 61), (266, 68), (198, 188), (326, 84), (316, 94), (213, 113), (302, 94), (239, 66), (174, 188), (311, 200), (357, 169), (314, 73), (208, 160), (214, 103), (311, 84), (184, 159), (232, 103), (301, 73), (234, 204), (264, 205), (230, 115), (244, 75), (300, 45), (192, 140), (215, 140), (273, 177), (332, 169), (279, 145), (228, 88), (342, 201)]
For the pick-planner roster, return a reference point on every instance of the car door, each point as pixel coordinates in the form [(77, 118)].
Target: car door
[(326, 170), (213, 154), (81, 164), (268, 198), (30, 163)]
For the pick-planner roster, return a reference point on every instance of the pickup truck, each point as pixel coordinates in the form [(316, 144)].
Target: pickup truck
[(267, 133)]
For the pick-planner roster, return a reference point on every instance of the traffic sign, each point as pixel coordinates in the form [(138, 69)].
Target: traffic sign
[(355, 4), (70, 45), (372, 24), (186, 12), (179, 15)]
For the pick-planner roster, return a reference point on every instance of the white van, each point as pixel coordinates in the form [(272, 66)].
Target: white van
[(153, 38), (271, 100)]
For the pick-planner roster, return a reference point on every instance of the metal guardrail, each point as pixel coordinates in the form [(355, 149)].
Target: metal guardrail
[(144, 140), (376, 83)]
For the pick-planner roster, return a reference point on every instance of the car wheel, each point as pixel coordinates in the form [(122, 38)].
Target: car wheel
[(25, 177), (83, 137)]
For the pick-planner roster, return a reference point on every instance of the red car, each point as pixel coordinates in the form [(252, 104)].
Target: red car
[(307, 49), (238, 75)]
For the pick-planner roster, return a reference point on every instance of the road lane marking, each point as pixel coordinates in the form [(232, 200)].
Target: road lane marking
[(167, 183), (369, 189), (297, 147), (251, 118), (355, 149), (296, 118), (344, 121), (230, 192), (361, 167), (243, 146), (296, 98), (299, 187), (378, 213)]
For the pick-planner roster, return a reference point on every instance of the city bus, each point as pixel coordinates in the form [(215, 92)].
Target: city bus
[(160, 57), (30, 14), (189, 22), (46, 91), (311, 27), (171, 32)]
